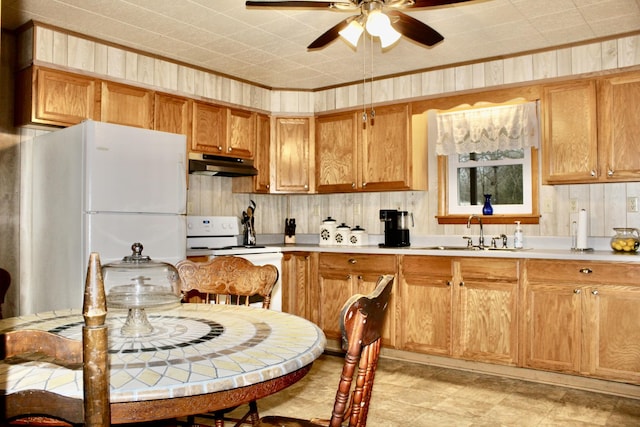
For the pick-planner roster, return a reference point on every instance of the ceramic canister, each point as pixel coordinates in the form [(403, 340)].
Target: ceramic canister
[(358, 236), (327, 232), (342, 235)]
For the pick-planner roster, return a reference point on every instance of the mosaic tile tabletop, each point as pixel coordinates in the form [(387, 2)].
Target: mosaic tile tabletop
[(193, 349)]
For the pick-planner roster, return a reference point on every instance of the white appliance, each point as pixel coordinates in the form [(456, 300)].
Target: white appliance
[(213, 236), (97, 187)]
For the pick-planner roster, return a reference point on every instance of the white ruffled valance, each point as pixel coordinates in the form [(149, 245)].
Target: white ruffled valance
[(487, 129)]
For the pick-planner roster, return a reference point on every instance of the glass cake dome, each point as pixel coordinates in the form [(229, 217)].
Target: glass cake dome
[(137, 283)]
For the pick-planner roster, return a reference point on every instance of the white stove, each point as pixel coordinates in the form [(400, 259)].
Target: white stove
[(213, 236)]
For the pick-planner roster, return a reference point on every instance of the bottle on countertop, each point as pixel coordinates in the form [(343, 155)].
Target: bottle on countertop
[(518, 236)]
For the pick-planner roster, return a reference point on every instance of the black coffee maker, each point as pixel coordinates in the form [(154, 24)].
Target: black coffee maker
[(396, 227)]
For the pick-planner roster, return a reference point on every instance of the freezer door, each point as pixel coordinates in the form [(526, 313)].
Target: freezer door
[(162, 236), (134, 170)]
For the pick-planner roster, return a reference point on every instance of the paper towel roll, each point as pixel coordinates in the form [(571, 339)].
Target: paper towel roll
[(581, 238)]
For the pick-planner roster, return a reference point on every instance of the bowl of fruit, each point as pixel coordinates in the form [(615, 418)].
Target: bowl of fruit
[(626, 240)]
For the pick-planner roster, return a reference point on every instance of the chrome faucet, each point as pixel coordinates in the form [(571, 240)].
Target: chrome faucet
[(481, 240)]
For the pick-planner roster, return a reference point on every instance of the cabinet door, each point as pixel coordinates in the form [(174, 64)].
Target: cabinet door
[(296, 283), (553, 320), (208, 128), (292, 151), (335, 287), (486, 324), (336, 152), (365, 284), (241, 133), (262, 181), (53, 97), (619, 127), (126, 105), (426, 305), (614, 332), (570, 135), (386, 150), (172, 114)]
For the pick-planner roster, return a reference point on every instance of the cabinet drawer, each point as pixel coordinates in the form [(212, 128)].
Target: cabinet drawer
[(582, 272), (412, 265), (493, 269), (357, 262)]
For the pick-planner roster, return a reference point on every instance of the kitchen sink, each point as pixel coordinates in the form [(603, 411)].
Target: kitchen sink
[(464, 248)]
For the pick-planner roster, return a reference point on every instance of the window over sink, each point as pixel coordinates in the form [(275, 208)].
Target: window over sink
[(487, 149)]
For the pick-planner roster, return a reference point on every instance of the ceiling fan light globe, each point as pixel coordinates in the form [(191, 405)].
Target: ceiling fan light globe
[(351, 34), (377, 23), (389, 37)]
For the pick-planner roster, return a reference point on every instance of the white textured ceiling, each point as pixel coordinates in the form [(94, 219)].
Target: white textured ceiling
[(268, 46)]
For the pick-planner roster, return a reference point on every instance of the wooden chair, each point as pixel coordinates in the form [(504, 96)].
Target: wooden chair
[(361, 322), (228, 280), (91, 354)]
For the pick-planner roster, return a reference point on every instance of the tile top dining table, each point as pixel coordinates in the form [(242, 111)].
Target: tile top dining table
[(198, 358)]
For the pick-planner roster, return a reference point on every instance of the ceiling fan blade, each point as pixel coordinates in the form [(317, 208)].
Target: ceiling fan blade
[(286, 4), (330, 35), (431, 3), (414, 29)]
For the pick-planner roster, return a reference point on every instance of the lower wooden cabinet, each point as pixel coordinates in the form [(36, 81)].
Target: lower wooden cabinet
[(342, 275), (298, 270), (573, 317), (582, 318), (460, 307)]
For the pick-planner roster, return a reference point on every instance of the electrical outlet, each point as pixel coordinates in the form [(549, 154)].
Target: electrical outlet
[(573, 205), (547, 205), (632, 204)]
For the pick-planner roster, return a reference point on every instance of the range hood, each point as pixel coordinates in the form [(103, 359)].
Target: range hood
[(212, 165)]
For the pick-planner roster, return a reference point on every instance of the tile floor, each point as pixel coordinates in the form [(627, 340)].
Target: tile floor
[(409, 394)]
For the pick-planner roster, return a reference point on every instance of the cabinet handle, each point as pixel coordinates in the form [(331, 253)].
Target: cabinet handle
[(577, 291), (585, 271), (353, 185), (306, 186), (348, 277), (610, 172), (229, 149), (359, 277), (352, 261), (448, 282), (593, 172), (364, 184), (268, 186), (595, 292), (461, 284), (219, 147)]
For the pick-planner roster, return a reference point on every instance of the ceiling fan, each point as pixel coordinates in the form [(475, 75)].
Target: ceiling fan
[(381, 18)]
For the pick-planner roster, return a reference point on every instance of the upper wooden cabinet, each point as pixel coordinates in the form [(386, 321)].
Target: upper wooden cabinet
[(260, 183), (241, 133), (293, 150), (208, 131), (570, 136), (126, 105), (619, 127), (52, 97), (337, 141), (223, 131), (590, 130), (172, 114), (388, 152)]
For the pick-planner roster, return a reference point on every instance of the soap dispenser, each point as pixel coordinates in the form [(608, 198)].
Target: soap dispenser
[(518, 236)]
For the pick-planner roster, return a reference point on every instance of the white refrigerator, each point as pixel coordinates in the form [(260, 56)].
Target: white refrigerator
[(96, 187)]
